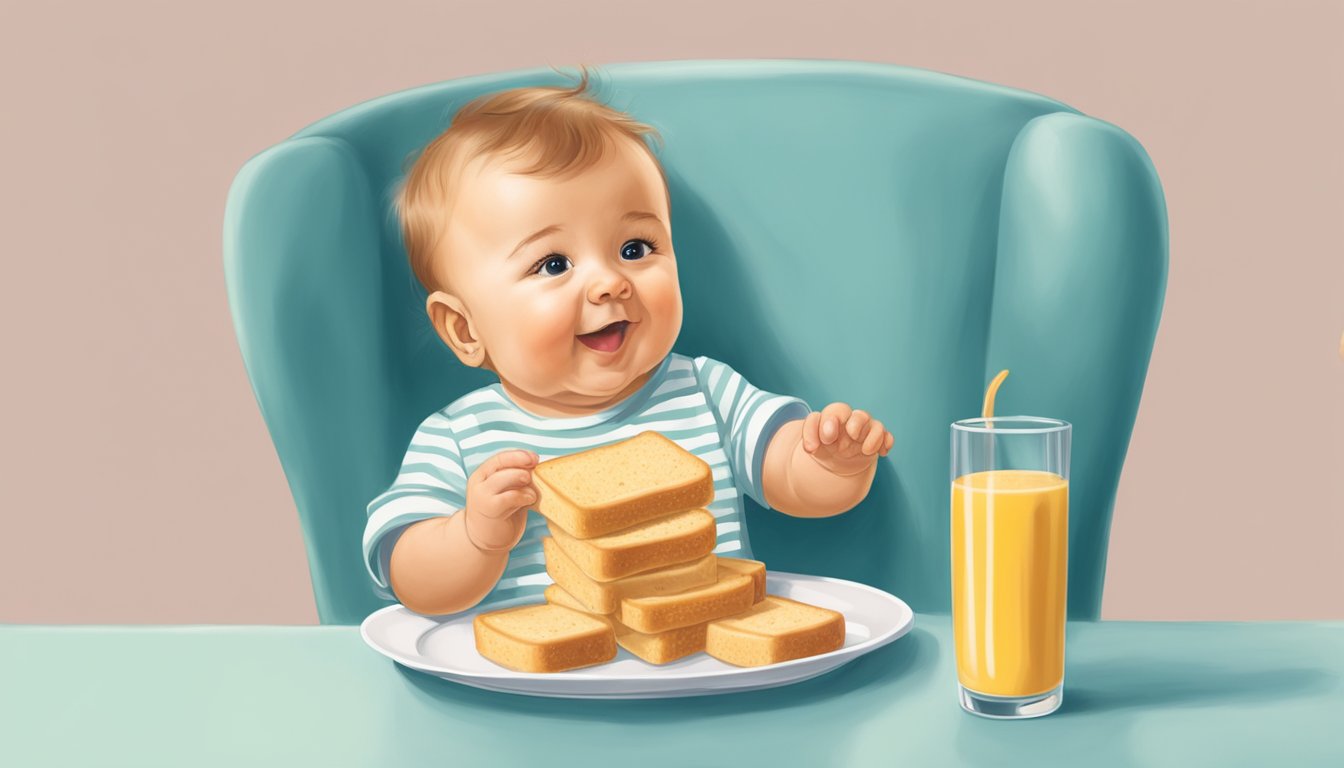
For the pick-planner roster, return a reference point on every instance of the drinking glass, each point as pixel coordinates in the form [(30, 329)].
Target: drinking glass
[(1010, 539)]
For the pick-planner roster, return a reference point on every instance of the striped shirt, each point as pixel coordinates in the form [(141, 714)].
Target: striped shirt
[(701, 404)]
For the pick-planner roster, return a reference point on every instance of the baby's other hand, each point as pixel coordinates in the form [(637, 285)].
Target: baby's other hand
[(498, 495), (845, 441)]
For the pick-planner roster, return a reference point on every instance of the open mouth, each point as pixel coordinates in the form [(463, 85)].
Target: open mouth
[(608, 338)]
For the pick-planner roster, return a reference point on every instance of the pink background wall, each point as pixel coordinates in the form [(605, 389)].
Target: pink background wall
[(140, 484)]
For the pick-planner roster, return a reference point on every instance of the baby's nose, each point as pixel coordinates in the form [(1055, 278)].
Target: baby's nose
[(609, 284)]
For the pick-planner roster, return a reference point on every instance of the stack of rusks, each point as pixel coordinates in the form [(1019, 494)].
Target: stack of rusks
[(630, 552)]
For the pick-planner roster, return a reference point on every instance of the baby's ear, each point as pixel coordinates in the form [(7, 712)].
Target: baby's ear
[(452, 321)]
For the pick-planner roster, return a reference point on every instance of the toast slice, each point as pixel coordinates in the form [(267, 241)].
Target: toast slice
[(676, 538), (543, 638), (753, 568), (607, 489), (556, 595), (663, 647), (731, 594), (660, 648), (606, 597), (774, 630)]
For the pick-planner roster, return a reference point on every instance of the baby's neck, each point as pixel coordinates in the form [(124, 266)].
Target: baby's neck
[(569, 404)]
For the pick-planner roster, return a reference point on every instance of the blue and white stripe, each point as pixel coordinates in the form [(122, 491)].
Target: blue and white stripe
[(702, 404)]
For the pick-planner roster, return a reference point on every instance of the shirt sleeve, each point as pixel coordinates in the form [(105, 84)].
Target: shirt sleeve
[(431, 483), (748, 419)]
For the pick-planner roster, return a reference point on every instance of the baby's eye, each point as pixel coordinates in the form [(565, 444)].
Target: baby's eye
[(636, 249), (552, 265)]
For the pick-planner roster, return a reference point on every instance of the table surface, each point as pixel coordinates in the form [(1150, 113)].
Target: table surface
[(1136, 693)]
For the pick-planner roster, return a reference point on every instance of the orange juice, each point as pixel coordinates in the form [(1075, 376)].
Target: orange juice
[(1010, 539)]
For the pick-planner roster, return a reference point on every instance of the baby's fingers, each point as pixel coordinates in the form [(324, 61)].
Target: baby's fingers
[(507, 479), (833, 418), (875, 439), (516, 457), (504, 503), (858, 424), (812, 431), (886, 444), (517, 499)]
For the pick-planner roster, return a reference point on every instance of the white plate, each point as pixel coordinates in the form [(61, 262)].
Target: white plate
[(446, 647)]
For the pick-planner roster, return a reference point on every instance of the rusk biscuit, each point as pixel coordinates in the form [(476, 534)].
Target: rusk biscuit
[(731, 594), (613, 487), (660, 648), (543, 638), (774, 630), (753, 568), (675, 538), (605, 597)]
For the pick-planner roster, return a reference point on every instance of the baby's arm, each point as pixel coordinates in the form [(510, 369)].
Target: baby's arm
[(823, 465), (447, 564)]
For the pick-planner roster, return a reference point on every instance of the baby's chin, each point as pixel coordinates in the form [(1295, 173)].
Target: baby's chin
[(604, 383), (595, 389)]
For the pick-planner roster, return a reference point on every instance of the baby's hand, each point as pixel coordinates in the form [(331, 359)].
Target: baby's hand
[(498, 495), (844, 441)]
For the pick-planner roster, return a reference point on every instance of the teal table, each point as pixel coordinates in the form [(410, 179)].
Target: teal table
[(1143, 694)]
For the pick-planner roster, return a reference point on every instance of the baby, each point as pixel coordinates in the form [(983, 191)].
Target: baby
[(539, 223)]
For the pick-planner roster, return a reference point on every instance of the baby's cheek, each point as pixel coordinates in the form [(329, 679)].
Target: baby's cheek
[(662, 297), (546, 323)]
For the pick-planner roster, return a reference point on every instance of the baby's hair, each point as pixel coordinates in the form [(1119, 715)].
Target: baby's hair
[(566, 130)]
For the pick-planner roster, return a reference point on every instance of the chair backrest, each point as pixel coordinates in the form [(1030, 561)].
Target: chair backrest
[(873, 234)]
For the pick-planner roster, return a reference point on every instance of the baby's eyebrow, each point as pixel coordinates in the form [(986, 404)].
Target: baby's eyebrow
[(637, 215), (533, 237), (631, 216)]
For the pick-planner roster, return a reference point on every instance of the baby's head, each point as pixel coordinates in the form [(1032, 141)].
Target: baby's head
[(540, 224)]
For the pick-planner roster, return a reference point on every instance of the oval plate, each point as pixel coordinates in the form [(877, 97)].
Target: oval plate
[(446, 647)]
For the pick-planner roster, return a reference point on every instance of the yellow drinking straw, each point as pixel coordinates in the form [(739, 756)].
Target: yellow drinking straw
[(988, 411)]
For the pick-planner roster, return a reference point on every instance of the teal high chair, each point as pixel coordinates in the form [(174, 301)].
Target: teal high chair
[(883, 236)]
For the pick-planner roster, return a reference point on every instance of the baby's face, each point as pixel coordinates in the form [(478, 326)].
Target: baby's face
[(570, 283)]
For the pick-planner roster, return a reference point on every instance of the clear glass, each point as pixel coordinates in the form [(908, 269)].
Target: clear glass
[(1010, 544)]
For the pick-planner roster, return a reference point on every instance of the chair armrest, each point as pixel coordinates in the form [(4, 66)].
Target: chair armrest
[(1078, 289), (302, 266)]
